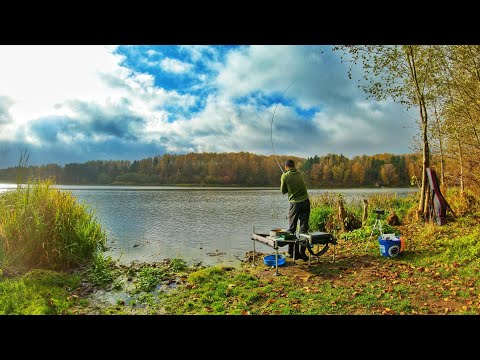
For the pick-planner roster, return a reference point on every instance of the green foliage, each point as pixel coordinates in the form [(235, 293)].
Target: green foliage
[(38, 292), (208, 274), (323, 212), (319, 217), (365, 232), (44, 227), (462, 204), (102, 270), (149, 278), (464, 248), (178, 265), (357, 234)]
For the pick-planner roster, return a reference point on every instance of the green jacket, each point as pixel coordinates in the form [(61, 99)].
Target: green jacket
[(292, 183)]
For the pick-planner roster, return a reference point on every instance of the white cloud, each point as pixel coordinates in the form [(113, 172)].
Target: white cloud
[(199, 52), (175, 66), (41, 81), (38, 77), (273, 69)]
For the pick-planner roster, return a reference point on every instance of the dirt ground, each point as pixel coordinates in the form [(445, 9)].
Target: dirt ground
[(429, 291)]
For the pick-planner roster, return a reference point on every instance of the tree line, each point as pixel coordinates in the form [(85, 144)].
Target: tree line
[(234, 168)]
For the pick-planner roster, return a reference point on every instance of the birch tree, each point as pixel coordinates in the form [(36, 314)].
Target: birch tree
[(403, 73)]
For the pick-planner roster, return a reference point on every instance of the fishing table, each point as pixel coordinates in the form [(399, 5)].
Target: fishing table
[(307, 240)]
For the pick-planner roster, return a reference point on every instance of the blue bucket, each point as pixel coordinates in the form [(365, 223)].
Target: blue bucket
[(389, 247), (270, 260)]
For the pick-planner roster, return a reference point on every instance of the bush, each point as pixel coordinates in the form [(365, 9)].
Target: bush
[(319, 217), (44, 227), (462, 203)]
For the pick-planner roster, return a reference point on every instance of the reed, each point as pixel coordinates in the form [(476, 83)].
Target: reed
[(44, 227)]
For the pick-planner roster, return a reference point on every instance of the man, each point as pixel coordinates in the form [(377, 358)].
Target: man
[(292, 182)]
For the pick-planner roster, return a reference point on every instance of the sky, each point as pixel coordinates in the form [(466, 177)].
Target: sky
[(75, 103)]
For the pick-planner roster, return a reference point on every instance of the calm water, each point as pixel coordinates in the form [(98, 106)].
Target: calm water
[(208, 225)]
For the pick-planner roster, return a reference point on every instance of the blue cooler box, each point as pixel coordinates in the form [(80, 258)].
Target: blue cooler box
[(389, 246)]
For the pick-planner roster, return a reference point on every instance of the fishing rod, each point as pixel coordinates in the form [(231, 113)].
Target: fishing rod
[(271, 129)]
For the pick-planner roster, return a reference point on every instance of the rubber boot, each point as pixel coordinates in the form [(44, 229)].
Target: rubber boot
[(301, 253), (290, 251), (291, 248)]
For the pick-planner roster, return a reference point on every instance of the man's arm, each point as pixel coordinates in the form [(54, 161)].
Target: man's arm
[(283, 184)]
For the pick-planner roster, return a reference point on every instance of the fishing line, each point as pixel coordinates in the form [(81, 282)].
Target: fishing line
[(271, 129)]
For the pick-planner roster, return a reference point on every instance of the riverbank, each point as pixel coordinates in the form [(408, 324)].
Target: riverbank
[(436, 274)]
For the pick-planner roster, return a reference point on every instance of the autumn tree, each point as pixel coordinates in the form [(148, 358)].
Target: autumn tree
[(460, 86), (403, 73)]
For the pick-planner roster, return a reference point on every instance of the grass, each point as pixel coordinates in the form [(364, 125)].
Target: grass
[(44, 227), (39, 292)]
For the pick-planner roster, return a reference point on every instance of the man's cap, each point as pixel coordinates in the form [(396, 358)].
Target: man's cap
[(289, 163)]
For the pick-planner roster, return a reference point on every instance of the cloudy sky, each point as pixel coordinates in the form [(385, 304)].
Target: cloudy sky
[(78, 103)]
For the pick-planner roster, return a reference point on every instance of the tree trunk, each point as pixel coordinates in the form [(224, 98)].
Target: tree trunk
[(424, 121), (365, 212), (425, 165), (462, 184), (341, 213), (440, 140)]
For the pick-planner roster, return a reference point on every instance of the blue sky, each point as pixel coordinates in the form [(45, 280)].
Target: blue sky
[(77, 103)]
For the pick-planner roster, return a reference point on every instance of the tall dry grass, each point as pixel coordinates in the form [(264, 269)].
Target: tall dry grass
[(44, 227)]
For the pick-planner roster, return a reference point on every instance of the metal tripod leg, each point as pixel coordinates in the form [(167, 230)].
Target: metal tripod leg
[(377, 225), (276, 260)]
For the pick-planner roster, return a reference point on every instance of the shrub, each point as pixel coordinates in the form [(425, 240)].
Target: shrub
[(44, 227)]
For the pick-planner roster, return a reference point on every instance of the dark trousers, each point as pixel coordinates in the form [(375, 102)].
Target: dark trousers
[(298, 212)]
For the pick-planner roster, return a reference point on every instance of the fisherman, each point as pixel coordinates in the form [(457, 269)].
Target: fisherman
[(292, 182)]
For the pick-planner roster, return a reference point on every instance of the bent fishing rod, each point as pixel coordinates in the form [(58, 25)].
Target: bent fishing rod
[(271, 129)]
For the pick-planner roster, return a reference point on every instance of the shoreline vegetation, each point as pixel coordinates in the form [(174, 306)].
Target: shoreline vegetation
[(52, 261)]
